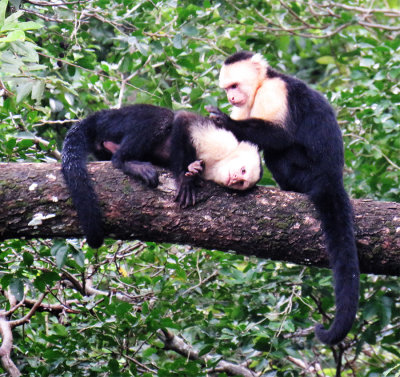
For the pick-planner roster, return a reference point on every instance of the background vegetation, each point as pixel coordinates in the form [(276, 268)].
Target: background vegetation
[(110, 312)]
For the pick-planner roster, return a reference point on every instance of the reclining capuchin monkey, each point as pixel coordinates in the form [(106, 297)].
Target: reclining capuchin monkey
[(297, 130), (137, 136)]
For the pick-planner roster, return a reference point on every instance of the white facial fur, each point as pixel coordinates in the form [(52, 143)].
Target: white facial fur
[(252, 93), (227, 162), (241, 80)]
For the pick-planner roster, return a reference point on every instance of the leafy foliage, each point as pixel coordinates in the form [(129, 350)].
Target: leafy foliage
[(109, 312)]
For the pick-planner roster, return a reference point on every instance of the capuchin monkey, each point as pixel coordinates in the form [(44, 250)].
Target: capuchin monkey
[(136, 137), (297, 130)]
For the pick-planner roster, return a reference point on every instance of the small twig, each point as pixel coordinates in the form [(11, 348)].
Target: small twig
[(174, 343), (14, 308), (126, 80), (307, 368), (50, 4), (97, 73), (146, 368), (54, 308), (55, 153), (207, 279), (27, 317), (44, 122)]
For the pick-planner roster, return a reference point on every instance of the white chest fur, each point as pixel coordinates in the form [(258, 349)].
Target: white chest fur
[(271, 101)]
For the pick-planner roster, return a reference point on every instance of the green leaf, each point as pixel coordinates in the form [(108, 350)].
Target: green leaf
[(263, 344), (79, 258), (367, 62), (60, 330), (3, 8), (27, 51), (113, 365), (10, 145), (206, 349), (12, 19), (29, 25), (17, 288), (60, 252), (44, 279), (326, 60), (122, 309), (38, 90), (17, 35), (149, 351), (190, 30), (177, 41), (28, 259), (24, 89)]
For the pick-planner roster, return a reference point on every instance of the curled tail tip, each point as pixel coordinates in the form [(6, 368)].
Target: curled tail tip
[(331, 336)]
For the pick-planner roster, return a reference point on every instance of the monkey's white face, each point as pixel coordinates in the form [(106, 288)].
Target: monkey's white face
[(240, 174), (236, 96), (240, 82)]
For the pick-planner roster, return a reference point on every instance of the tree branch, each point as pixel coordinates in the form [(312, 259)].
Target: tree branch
[(6, 347), (265, 222), (175, 343), (27, 317)]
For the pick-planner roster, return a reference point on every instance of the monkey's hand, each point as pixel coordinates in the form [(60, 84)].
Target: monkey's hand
[(195, 168), (186, 191), (217, 116)]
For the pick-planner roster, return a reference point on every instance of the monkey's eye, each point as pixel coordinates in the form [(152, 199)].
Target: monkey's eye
[(243, 171), (234, 86)]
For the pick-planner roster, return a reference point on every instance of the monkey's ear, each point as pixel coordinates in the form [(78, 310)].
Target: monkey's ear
[(259, 61)]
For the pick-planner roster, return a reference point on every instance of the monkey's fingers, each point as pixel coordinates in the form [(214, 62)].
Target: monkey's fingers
[(149, 175), (216, 115), (212, 109), (195, 168), (151, 180), (186, 195)]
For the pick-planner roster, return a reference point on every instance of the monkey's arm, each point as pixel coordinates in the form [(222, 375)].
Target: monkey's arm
[(258, 131), (183, 156)]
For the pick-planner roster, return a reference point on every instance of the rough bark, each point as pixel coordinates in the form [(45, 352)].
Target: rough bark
[(264, 222)]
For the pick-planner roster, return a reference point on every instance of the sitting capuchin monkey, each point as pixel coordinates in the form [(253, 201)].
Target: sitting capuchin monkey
[(297, 130), (136, 137)]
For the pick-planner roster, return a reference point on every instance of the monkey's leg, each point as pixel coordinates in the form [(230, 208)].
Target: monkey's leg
[(110, 146), (142, 170), (128, 157)]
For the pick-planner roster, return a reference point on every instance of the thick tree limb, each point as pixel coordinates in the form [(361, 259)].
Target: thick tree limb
[(6, 347), (265, 222)]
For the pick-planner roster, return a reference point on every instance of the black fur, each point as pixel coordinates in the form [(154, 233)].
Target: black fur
[(238, 56), (306, 155), (145, 134)]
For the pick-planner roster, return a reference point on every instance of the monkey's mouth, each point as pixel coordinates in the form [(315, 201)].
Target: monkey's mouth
[(238, 103), (233, 182), (228, 180)]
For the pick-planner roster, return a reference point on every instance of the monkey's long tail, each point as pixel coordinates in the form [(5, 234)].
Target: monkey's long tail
[(74, 155), (336, 216)]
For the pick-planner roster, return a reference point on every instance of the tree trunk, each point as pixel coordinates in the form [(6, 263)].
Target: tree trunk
[(264, 222)]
